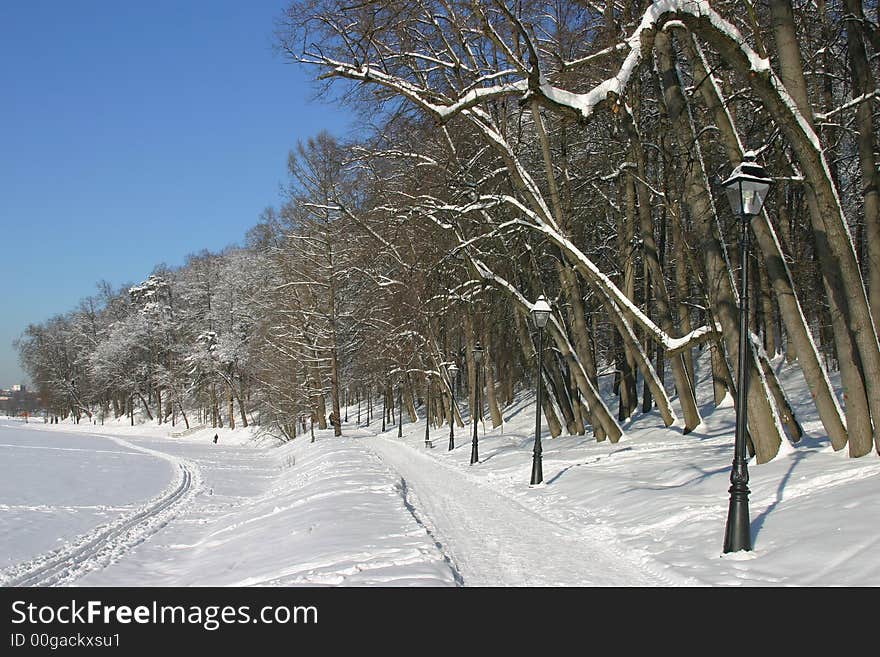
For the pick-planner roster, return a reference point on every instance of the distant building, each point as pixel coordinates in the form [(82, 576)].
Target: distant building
[(18, 401)]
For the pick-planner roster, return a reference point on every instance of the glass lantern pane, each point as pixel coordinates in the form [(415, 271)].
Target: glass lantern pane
[(753, 194), (733, 195)]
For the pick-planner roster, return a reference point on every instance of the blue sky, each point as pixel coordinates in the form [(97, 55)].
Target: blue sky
[(132, 134)]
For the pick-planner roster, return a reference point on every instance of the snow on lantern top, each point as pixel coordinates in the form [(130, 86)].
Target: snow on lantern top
[(541, 312), (478, 353), (747, 187)]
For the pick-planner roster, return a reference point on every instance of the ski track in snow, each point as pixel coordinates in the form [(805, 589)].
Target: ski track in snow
[(109, 542), (490, 539)]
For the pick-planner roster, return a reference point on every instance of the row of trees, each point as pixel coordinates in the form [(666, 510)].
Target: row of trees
[(511, 149), (175, 344)]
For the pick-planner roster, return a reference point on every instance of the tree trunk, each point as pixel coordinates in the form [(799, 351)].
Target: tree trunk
[(625, 238), (841, 276), (214, 411), (159, 404), (491, 398), (767, 325), (241, 410), (683, 383), (410, 400), (786, 414), (791, 70), (722, 383), (682, 289), (318, 402), (183, 413), (334, 350), (146, 407), (863, 83), (800, 340), (765, 429), (858, 415), (567, 277)]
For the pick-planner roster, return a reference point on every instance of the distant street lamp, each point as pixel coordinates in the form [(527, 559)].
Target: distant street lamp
[(453, 371), (540, 314), (400, 410), (478, 356), (746, 190), (428, 442)]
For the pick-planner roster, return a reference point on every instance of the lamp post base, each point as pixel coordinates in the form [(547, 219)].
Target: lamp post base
[(537, 471), (738, 532)]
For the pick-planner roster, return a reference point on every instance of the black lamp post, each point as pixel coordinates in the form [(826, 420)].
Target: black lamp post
[(540, 314), (428, 442), (453, 371), (478, 356), (400, 410), (746, 189)]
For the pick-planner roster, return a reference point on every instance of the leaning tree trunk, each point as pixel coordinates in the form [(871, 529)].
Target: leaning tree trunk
[(578, 326), (241, 407), (797, 332), (765, 429), (858, 412), (840, 269), (183, 413), (567, 277), (863, 83), (683, 383)]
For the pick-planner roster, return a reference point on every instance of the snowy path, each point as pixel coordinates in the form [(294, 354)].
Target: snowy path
[(493, 540), (110, 541), (322, 514)]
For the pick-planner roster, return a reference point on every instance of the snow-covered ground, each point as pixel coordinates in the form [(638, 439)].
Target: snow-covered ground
[(370, 509), (235, 514), (54, 490)]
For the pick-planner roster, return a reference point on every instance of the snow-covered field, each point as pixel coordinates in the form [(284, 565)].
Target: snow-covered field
[(55, 487), (147, 508)]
